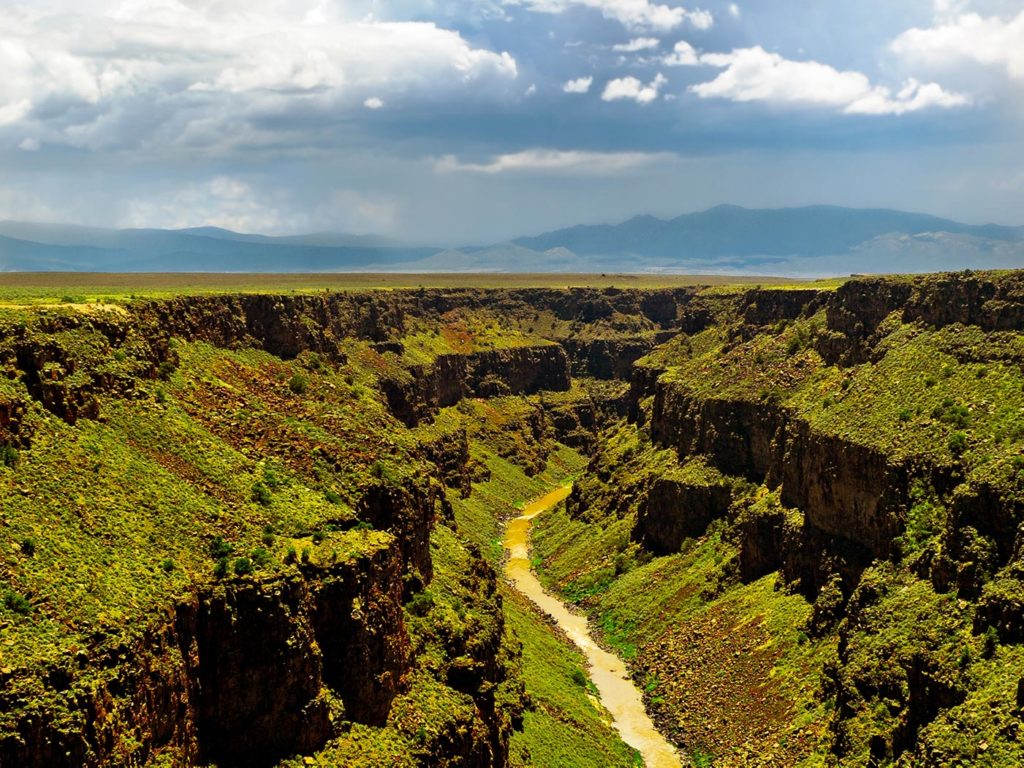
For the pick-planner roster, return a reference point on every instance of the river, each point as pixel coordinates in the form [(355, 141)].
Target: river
[(616, 690)]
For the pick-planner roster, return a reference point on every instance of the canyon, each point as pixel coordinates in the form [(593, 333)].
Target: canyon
[(264, 529)]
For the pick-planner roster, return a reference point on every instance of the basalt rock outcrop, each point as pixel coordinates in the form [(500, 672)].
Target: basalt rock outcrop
[(66, 360), (240, 674), (675, 510), (418, 392), (846, 490)]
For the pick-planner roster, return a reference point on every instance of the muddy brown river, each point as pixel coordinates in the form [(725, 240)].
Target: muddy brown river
[(616, 690)]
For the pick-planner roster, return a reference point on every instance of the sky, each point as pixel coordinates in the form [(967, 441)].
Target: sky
[(457, 122)]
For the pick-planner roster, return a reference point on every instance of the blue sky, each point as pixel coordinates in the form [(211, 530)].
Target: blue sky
[(455, 121)]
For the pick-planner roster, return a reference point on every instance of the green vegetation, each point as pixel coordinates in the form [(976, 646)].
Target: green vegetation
[(881, 622), (90, 288)]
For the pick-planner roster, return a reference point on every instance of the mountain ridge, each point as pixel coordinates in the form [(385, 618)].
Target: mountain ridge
[(812, 241)]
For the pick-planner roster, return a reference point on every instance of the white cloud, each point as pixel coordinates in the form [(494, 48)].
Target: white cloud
[(373, 103), (911, 98), (701, 19), (104, 74), (221, 202), (754, 74), (20, 205), (634, 14), (531, 90), (734, 10), (558, 162), (631, 88), (991, 42), (950, 7), (579, 85), (683, 55), (637, 44), (232, 203), (29, 145)]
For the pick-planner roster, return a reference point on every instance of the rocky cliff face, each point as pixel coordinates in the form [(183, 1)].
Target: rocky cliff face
[(846, 490), (66, 360), (675, 510), (607, 358), (287, 325), (241, 674), (418, 392)]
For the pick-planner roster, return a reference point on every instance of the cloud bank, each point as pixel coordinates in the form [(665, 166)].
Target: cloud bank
[(634, 14), (568, 162), (163, 71), (754, 74)]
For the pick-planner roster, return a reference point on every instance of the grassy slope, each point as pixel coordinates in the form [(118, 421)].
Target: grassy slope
[(928, 385)]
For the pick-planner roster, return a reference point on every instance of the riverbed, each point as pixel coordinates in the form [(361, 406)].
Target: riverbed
[(616, 690)]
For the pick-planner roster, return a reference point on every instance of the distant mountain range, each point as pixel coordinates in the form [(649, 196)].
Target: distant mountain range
[(811, 241)]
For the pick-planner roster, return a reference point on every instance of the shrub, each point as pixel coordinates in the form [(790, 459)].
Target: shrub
[(165, 369), (332, 496), (990, 642), (948, 412), (261, 494), (965, 657), (579, 677), (242, 566), (28, 547), (905, 414), (702, 759), (268, 536), (220, 549), (220, 569), (260, 557), (930, 381), (957, 443), (167, 565), (313, 361), (274, 476), (8, 455), (298, 384), (17, 603), (421, 604), (291, 555)]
